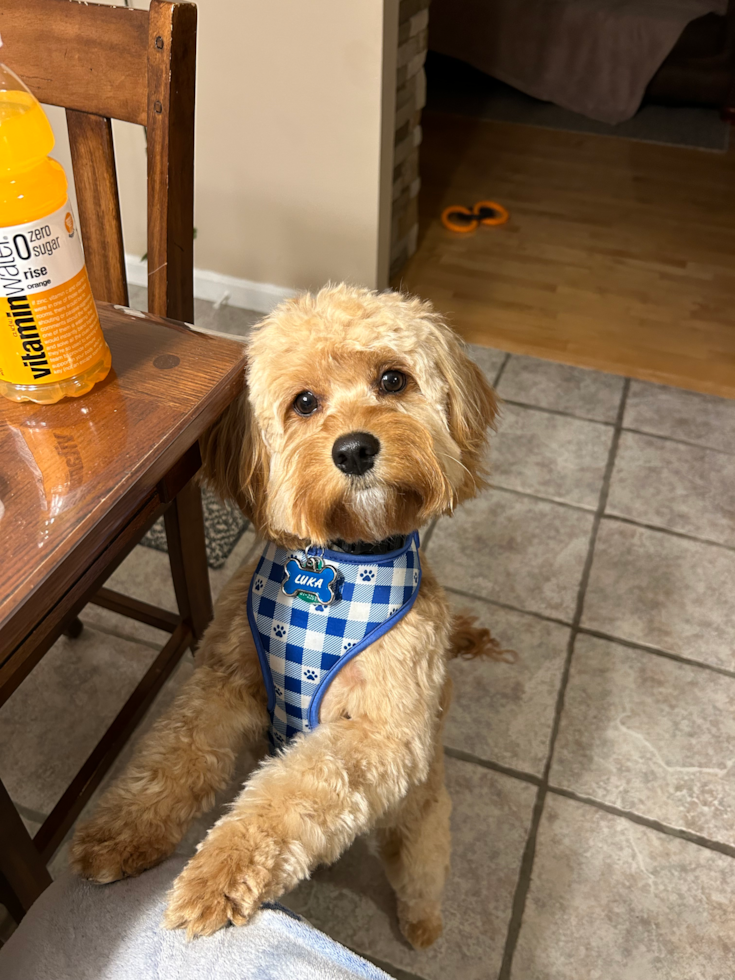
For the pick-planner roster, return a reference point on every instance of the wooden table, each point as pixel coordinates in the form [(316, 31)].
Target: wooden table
[(80, 482)]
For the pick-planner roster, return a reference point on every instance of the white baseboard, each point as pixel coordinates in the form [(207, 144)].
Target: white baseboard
[(226, 290)]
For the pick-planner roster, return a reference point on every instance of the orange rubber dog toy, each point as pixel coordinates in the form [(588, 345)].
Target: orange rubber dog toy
[(458, 218)]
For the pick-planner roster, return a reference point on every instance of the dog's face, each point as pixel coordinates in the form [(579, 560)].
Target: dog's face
[(364, 418)]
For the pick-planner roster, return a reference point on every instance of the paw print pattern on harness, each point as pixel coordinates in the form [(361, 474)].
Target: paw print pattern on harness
[(309, 640)]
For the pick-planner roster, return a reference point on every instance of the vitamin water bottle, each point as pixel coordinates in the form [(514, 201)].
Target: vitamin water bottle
[(51, 344)]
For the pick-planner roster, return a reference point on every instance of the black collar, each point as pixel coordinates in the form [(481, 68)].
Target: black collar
[(392, 543)]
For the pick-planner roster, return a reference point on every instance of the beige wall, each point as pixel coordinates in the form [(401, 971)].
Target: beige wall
[(293, 165)]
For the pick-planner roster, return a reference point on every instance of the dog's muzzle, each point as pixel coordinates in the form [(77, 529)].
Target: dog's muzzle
[(355, 453)]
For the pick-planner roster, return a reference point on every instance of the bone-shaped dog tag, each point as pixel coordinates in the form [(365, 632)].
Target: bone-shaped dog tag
[(311, 580)]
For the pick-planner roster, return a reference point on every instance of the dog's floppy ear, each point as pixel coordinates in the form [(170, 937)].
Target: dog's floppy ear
[(235, 459), (472, 408)]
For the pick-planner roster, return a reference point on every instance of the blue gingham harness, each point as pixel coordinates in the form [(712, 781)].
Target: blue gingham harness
[(302, 646)]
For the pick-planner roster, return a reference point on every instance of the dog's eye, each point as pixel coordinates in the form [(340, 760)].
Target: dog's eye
[(392, 382), (306, 403)]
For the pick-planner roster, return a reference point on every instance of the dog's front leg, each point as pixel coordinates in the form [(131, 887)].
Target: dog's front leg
[(300, 809)]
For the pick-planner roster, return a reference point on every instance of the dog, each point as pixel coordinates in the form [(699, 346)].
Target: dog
[(364, 419)]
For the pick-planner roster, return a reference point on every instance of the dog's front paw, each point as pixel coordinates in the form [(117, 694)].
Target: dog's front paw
[(105, 851), (224, 882), (421, 926)]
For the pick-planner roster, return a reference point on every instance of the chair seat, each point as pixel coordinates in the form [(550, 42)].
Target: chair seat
[(114, 932), (73, 474)]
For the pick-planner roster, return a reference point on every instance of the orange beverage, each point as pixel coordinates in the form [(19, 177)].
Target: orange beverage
[(51, 343)]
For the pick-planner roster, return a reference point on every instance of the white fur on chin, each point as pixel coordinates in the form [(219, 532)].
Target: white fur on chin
[(370, 503)]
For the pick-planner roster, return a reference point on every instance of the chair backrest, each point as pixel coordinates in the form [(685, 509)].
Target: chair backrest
[(102, 63)]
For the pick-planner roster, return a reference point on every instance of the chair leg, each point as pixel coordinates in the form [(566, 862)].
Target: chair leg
[(22, 868), (74, 628), (188, 557), (9, 899)]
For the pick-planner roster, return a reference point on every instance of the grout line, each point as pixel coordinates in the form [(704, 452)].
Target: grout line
[(679, 442), (507, 605), (556, 411), (463, 756), (599, 634), (547, 500), (395, 972), (529, 853), (501, 370), (668, 530), (524, 881), (655, 651), (610, 517), (625, 428), (662, 828), (429, 532), (29, 813)]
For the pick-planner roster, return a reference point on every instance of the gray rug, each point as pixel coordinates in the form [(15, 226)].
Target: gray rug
[(460, 90), (224, 525)]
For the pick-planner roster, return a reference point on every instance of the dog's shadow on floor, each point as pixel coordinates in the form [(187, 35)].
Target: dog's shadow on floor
[(340, 892)]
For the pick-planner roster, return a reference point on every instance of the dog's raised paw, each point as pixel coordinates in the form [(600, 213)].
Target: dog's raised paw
[(201, 914), (222, 883), (201, 905)]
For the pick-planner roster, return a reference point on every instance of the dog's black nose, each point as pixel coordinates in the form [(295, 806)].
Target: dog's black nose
[(355, 453)]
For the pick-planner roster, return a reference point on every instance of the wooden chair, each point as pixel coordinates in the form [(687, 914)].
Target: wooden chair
[(102, 62)]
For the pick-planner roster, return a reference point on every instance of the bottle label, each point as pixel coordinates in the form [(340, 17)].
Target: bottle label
[(49, 328)]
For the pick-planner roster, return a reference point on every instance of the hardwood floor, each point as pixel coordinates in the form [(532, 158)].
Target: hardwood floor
[(618, 255)]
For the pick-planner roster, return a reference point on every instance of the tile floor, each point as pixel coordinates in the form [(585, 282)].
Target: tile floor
[(593, 779)]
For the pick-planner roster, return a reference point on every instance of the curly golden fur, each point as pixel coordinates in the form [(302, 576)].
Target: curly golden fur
[(375, 761)]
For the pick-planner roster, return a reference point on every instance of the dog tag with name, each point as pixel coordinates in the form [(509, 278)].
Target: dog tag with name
[(310, 580)]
